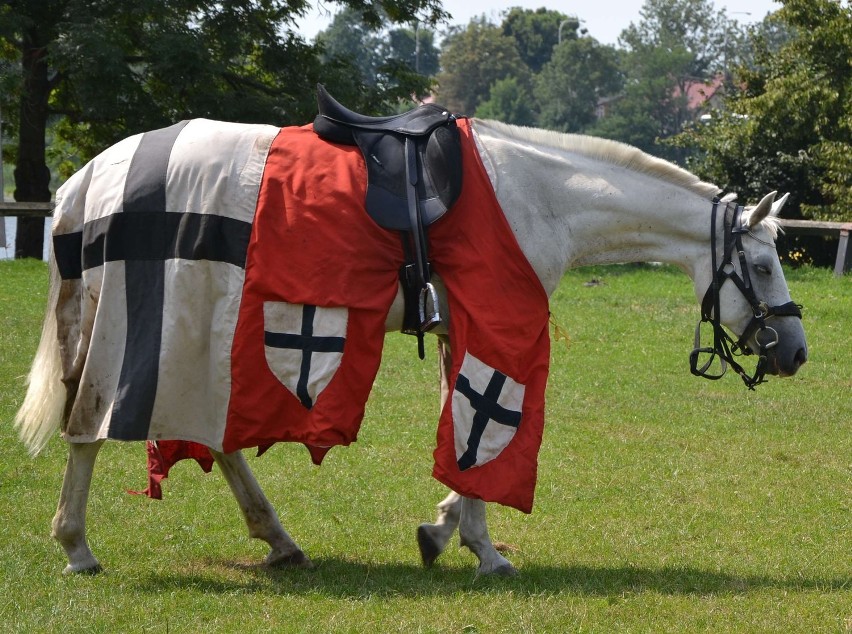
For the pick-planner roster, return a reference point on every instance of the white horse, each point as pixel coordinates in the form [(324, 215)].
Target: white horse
[(570, 201)]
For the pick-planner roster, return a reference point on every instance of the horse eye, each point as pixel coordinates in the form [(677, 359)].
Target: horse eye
[(763, 269)]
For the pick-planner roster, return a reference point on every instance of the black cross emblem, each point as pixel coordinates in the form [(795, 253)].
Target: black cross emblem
[(487, 409), (308, 344)]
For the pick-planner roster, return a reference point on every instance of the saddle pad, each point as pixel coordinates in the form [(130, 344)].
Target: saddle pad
[(245, 288)]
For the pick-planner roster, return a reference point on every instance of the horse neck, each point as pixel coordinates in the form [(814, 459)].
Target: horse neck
[(583, 211)]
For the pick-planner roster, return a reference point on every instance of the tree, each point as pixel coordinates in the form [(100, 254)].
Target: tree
[(536, 33), (676, 44), (107, 68), (349, 38), (651, 106), (415, 48), (790, 128), (382, 57), (508, 101), (691, 25), (568, 88), (472, 60)]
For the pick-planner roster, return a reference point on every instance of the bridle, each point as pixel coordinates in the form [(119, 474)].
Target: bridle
[(723, 345)]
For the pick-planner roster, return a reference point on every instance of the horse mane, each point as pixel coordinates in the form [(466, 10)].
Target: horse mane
[(613, 152)]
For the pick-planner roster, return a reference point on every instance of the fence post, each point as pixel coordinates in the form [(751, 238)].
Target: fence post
[(843, 262)]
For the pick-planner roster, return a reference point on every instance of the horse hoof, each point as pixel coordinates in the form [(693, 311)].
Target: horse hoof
[(95, 569), (296, 559), (429, 549), (506, 570)]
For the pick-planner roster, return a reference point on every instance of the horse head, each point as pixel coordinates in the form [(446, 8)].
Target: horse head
[(743, 288)]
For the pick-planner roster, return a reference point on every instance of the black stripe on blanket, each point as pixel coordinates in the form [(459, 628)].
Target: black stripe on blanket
[(150, 233), (144, 197), (164, 236)]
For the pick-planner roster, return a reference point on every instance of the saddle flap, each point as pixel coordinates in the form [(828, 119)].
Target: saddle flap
[(443, 162), (438, 182)]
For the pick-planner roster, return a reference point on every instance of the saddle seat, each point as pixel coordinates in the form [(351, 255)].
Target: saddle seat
[(418, 122)]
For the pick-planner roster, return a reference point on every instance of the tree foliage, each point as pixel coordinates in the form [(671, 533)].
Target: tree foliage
[(416, 48), (686, 25), (382, 56), (536, 33), (676, 43), (472, 60), (790, 128), (569, 86), (508, 101)]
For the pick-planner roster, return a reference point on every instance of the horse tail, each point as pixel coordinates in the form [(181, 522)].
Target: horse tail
[(44, 404)]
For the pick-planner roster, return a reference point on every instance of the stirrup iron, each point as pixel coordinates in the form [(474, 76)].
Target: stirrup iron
[(429, 318)]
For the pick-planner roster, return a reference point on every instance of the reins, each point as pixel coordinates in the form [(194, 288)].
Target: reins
[(724, 347)]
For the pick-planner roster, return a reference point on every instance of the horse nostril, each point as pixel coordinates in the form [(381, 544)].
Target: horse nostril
[(801, 357)]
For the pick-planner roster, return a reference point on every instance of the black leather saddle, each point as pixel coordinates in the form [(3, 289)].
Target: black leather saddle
[(413, 177)]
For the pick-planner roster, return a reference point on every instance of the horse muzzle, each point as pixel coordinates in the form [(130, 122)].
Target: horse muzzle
[(786, 365), (783, 340)]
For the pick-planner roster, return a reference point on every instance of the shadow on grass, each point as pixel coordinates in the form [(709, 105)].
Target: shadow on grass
[(342, 578)]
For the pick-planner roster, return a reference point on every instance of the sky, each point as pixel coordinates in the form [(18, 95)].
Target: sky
[(605, 19)]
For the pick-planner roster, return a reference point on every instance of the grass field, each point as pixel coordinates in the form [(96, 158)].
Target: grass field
[(666, 503)]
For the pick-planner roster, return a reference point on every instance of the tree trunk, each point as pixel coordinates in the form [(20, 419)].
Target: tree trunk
[(32, 177)]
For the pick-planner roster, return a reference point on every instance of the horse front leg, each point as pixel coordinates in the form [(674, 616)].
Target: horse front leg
[(260, 517), (432, 539), (69, 523), (455, 511)]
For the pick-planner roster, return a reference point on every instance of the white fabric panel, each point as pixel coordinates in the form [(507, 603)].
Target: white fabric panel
[(90, 416), (201, 304), (216, 168)]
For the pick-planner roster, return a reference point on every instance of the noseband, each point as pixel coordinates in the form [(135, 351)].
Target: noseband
[(723, 345)]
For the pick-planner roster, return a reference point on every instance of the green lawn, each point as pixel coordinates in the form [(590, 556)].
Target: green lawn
[(666, 503)]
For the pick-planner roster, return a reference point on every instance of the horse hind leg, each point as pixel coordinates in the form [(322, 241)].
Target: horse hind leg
[(469, 516), (69, 523), (260, 517), (473, 533)]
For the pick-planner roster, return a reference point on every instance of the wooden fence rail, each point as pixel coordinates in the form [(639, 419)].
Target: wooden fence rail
[(26, 210), (842, 263)]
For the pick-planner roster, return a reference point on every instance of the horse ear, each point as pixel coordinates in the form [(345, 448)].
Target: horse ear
[(778, 205), (762, 210)]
